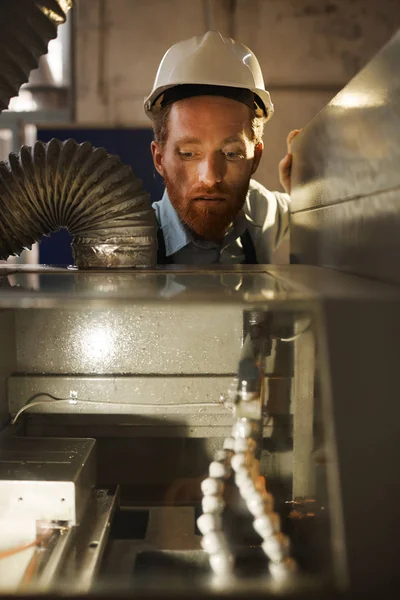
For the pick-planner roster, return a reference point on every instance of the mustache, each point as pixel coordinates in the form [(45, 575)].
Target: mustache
[(209, 191), (202, 190)]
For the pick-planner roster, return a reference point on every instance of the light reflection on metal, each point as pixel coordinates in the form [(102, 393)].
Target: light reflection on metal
[(359, 99), (97, 343), (54, 16)]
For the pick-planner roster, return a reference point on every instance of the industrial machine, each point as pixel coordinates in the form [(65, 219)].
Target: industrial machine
[(225, 431), (140, 400), (158, 379)]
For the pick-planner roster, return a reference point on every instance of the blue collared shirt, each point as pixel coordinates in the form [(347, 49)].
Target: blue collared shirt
[(265, 215)]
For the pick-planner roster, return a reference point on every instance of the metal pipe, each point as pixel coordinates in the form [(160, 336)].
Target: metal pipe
[(83, 189)]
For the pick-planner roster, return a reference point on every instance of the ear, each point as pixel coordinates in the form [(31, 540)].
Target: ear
[(156, 153), (258, 150)]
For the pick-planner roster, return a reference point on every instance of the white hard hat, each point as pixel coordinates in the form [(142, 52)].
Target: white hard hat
[(209, 60)]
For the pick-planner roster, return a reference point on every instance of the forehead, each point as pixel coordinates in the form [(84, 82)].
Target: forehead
[(209, 118)]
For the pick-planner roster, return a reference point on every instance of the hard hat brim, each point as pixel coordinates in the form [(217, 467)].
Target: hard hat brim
[(151, 106)]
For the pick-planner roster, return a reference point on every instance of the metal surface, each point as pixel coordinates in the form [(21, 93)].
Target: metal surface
[(154, 396), (303, 413), (358, 236), (346, 181), (71, 557), (176, 564), (90, 193), (112, 428), (136, 339), (169, 529), (168, 406), (53, 559), (139, 323), (78, 564), (26, 28), (46, 479)]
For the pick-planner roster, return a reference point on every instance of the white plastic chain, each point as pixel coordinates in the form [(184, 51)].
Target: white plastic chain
[(238, 455), (213, 504)]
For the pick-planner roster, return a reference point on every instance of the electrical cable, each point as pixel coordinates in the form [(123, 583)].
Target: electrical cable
[(12, 551), (30, 569), (72, 400), (294, 337)]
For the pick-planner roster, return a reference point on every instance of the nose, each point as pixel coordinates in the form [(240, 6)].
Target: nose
[(210, 170)]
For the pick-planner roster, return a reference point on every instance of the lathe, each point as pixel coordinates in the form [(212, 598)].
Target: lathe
[(210, 431)]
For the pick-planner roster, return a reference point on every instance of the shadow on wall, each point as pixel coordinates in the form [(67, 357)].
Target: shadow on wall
[(133, 148)]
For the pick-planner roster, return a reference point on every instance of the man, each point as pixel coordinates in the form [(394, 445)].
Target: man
[(208, 108)]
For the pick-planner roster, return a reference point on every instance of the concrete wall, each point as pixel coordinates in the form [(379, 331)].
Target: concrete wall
[(308, 50)]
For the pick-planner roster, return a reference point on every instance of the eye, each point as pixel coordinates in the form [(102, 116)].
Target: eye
[(233, 155), (186, 155)]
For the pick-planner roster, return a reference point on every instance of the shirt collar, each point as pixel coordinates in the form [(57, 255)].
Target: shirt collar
[(177, 235)]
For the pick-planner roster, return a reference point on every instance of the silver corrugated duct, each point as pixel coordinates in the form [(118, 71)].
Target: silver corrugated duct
[(26, 28), (87, 191)]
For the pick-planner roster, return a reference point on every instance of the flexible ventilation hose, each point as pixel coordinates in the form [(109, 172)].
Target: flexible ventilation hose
[(87, 191)]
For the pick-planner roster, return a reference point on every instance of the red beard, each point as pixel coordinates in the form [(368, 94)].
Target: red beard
[(208, 222)]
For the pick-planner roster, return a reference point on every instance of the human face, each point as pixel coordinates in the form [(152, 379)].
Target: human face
[(207, 162)]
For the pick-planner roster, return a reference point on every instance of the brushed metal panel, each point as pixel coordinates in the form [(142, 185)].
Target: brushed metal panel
[(128, 403), (131, 339), (150, 396), (351, 148), (360, 236), (107, 426), (136, 406)]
